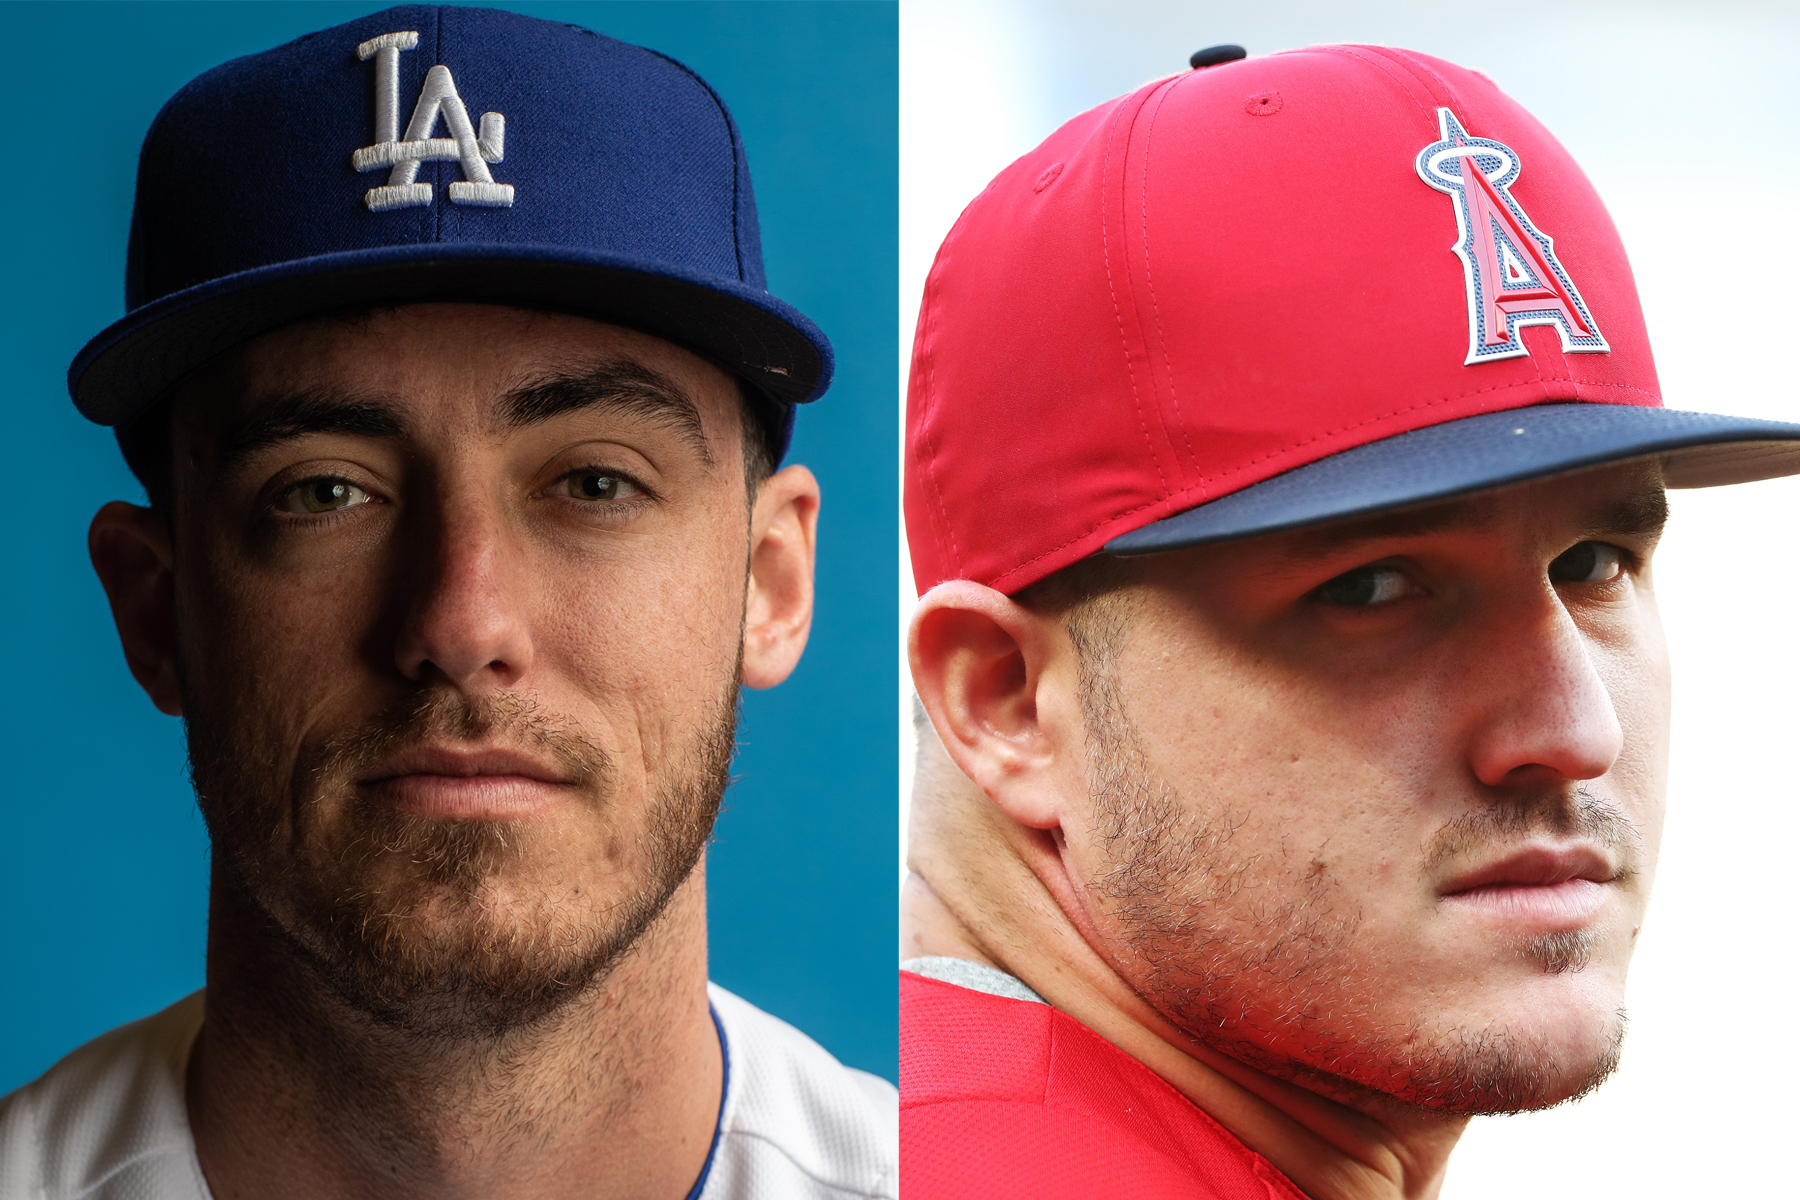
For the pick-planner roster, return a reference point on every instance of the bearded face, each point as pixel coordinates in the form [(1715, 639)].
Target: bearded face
[(460, 599), (465, 926), (1378, 806)]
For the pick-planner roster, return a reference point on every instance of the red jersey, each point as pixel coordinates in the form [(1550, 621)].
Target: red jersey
[(1003, 1098)]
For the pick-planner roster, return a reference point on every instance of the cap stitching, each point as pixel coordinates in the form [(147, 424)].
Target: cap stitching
[(1113, 290), (156, 123), (1413, 66), (731, 135), (928, 316), (1149, 281), (946, 528), (928, 319), (1248, 463), (1384, 65)]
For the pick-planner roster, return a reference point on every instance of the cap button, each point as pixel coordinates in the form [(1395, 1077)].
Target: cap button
[(1212, 56)]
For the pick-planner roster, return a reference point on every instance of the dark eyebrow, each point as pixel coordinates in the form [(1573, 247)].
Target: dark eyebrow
[(1640, 512), (1412, 522), (627, 388), (296, 414)]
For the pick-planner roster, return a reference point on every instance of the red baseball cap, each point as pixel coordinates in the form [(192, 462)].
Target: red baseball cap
[(1272, 293)]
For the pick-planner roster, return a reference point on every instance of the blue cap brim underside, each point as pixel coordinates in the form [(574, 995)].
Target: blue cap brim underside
[(1477, 453)]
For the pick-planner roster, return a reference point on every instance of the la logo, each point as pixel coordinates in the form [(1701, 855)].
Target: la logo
[(1510, 268), (436, 98)]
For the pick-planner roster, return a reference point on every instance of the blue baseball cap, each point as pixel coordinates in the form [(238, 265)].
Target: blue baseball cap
[(446, 153)]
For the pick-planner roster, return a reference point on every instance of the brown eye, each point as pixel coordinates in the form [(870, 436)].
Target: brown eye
[(321, 495), (1367, 587), (599, 485), (1588, 562)]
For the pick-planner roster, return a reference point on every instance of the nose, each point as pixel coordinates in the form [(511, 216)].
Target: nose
[(1546, 710), (466, 622)]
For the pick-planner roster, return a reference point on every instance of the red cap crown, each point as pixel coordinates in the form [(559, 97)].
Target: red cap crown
[(1237, 271)]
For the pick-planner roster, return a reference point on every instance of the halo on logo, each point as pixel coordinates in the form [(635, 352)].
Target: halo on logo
[(1500, 176), (1510, 270)]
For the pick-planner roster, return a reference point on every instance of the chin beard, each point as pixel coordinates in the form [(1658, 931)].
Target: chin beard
[(1498, 1074), (452, 930)]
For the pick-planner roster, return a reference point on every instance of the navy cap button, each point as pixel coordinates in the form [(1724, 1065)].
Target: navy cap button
[(1212, 56)]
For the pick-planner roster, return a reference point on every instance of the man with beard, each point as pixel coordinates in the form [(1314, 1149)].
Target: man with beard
[(1285, 463), (465, 528)]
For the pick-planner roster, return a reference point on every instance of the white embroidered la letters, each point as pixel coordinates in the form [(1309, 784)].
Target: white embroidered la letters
[(438, 95), (1510, 269)]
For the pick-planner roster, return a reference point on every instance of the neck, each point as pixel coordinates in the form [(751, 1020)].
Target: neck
[(292, 1093), (987, 889)]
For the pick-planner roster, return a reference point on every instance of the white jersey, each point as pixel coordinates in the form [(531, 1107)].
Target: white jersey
[(109, 1122)]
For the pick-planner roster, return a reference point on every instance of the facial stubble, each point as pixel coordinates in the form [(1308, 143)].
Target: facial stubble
[(1244, 960), (455, 929)]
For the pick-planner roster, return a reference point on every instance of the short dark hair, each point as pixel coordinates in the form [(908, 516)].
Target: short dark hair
[(1089, 599), (1079, 585), (147, 442)]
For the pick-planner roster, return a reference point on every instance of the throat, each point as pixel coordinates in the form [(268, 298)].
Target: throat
[(292, 1092)]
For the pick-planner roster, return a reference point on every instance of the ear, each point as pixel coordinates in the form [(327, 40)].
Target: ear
[(130, 550), (998, 682), (784, 528)]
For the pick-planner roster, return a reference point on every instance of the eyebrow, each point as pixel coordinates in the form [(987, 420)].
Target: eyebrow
[(1418, 522), (1644, 513), (1640, 513), (290, 415), (626, 388)]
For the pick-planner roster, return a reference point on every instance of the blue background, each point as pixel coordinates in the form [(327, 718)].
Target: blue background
[(103, 864)]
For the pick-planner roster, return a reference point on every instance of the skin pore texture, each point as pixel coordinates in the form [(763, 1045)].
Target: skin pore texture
[(455, 601), (1345, 832)]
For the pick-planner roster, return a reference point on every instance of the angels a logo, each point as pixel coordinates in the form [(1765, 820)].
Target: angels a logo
[(403, 155), (1510, 267)]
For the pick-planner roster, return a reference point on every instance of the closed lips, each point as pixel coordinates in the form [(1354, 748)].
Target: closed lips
[(466, 764), (1536, 867)]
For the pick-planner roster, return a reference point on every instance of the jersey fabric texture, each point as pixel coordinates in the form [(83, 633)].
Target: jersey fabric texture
[(109, 1122), (1009, 1099)]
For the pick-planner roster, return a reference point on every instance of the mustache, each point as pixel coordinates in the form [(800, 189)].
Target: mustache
[(506, 718), (1564, 814)]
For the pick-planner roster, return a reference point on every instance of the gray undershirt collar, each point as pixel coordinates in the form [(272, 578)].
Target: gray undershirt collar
[(972, 975)]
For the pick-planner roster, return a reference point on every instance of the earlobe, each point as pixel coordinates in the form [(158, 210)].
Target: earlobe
[(778, 605), (130, 549), (981, 665)]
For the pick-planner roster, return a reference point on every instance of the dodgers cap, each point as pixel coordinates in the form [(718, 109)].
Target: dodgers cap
[(446, 153), (1270, 293)]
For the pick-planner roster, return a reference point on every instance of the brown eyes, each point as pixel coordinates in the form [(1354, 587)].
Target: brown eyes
[(1377, 584), (323, 494), (599, 485), (1366, 587), (1588, 562)]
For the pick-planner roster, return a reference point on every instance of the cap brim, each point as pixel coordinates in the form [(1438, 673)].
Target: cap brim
[(1481, 452), (765, 342)]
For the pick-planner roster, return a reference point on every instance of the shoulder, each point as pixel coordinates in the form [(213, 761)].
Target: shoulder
[(1006, 1098), (795, 1122), (108, 1121)]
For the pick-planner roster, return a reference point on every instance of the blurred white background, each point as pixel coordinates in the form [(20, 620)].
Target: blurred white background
[(1685, 117)]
